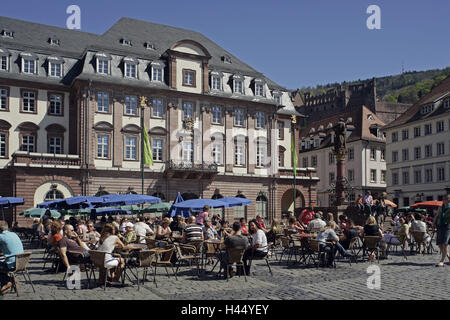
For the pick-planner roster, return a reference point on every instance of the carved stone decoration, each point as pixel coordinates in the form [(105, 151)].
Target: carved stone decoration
[(340, 135), (189, 124)]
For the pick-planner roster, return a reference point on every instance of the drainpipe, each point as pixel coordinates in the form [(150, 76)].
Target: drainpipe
[(86, 135)]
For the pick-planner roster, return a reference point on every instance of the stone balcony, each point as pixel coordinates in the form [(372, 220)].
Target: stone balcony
[(45, 160), (190, 170)]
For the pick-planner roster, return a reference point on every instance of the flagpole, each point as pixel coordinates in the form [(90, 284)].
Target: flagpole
[(143, 103)]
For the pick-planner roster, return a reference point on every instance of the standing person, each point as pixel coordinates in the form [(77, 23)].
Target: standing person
[(368, 199), (10, 245), (259, 244), (203, 215), (442, 224)]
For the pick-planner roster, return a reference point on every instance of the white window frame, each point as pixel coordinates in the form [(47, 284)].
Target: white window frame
[(4, 59), (3, 99), (26, 101), (157, 74), (216, 115), (217, 153), (26, 142), (417, 132), (440, 126), (130, 105), (351, 175), (157, 149), (188, 110), (373, 154), (102, 146), (131, 148), (55, 143), (56, 103), (260, 155), (351, 154), (188, 151), (239, 155), (104, 97), (158, 108), (216, 82), (260, 120), (373, 175), (101, 66), (383, 176), (428, 125), (26, 65), (428, 175), (52, 68), (236, 87), (3, 145), (130, 70), (394, 156), (405, 177), (239, 115), (259, 89)]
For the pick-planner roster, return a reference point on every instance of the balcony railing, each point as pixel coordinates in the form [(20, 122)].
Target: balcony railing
[(191, 166), (23, 158)]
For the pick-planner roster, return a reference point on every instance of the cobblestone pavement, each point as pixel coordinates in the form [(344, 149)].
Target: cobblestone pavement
[(414, 278)]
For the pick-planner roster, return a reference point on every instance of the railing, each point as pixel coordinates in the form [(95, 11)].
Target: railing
[(191, 166), (45, 159)]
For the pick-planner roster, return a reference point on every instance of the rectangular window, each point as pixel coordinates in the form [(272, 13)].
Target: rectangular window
[(405, 154), (189, 78), (216, 83), (239, 117), (3, 99), (383, 176), (405, 177), (188, 110), (130, 70), (158, 108), (130, 148), (331, 177), (55, 102), (238, 86), (278, 99), (330, 158), (280, 130), (28, 143), (188, 151), (314, 161), (55, 69), (103, 102), (441, 174), (260, 121), (29, 101), (440, 148), (383, 155), (440, 126), (394, 178), (131, 105), (3, 145), (394, 136), (157, 74), (216, 115), (157, 150), (416, 132), (373, 154), (394, 156), (305, 162), (259, 89), (260, 156), (103, 146), (428, 151), (55, 145), (417, 176), (417, 153), (405, 134), (428, 175), (217, 153), (281, 159), (373, 175), (239, 155), (351, 175), (351, 153), (102, 66), (428, 129), (29, 66), (4, 63)]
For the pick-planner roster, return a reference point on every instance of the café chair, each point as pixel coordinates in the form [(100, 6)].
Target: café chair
[(21, 267)]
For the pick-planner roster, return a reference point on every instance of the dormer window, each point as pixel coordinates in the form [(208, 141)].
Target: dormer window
[(7, 34), (125, 42), (238, 84), (130, 67), (427, 109), (370, 117), (29, 63), (149, 46), (54, 41), (4, 59), (157, 71), (55, 67), (103, 65), (216, 81), (226, 59), (447, 103), (277, 97), (259, 87)]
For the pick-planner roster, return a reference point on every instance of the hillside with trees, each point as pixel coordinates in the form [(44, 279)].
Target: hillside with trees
[(407, 87)]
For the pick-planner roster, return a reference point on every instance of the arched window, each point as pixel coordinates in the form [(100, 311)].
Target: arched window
[(160, 195), (240, 211), (53, 194), (261, 206)]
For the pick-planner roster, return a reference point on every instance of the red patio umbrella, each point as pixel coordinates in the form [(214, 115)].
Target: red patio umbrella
[(427, 204)]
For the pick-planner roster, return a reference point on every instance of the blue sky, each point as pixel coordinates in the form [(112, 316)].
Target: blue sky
[(296, 43)]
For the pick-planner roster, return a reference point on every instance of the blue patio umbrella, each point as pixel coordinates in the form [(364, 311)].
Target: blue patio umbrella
[(234, 201), (6, 202), (127, 199), (71, 203), (173, 211), (198, 204)]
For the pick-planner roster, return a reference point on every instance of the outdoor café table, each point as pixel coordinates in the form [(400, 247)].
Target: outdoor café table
[(217, 246), (128, 252)]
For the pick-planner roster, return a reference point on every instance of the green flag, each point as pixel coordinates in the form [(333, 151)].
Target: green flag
[(294, 154), (148, 157)]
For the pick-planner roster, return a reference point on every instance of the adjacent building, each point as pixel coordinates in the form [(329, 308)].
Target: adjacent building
[(70, 113), (418, 149)]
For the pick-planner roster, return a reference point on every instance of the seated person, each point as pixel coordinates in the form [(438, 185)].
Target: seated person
[(99, 225), (294, 225), (419, 225), (274, 231), (234, 240), (91, 235), (244, 229), (350, 233), (193, 231), (329, 242), (316, 224), (306, 216), (259, 244), (163, 231), (224, 230), (260, 221), (372, 229), (71, 246), (108, 242), (142, 230), (129, 235), (209, 232), (10, 245)]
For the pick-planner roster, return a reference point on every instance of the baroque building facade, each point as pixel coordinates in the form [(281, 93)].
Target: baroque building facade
[(70, 115)]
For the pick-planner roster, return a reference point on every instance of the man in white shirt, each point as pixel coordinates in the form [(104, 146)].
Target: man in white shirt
[(316, 224), (142, 230), (367, 200)]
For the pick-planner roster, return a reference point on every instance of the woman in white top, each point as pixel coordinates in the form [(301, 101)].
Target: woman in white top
[(258, 249), (108, 242)]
